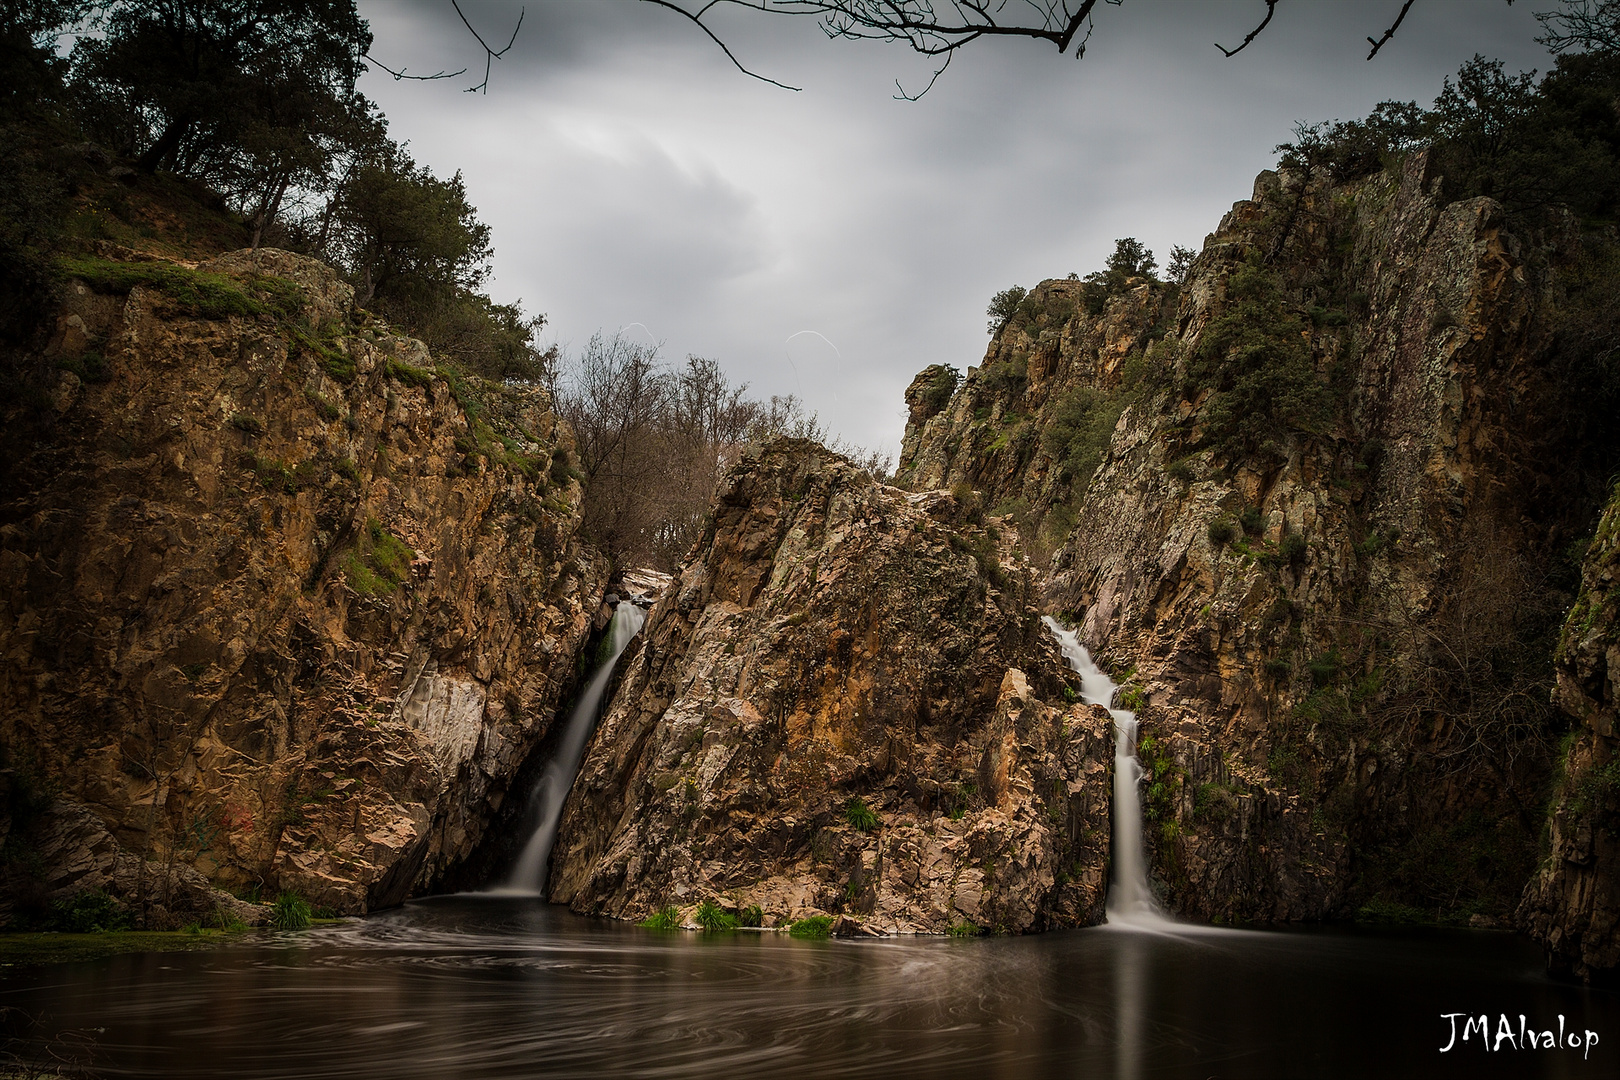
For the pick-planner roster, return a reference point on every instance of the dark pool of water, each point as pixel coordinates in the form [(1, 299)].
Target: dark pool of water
[(483, 987)]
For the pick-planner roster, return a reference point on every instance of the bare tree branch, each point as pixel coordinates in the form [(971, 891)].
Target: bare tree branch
[(1583, 24), (490, 55), (697, 17), (903, 96), (1379, 44), (400, 74), (1271, 9)]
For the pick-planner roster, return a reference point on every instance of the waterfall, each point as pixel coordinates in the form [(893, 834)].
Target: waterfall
[(529, 875), (1130, 902)]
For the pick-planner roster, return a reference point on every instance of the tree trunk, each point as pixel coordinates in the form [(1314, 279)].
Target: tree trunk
[(166, 144)]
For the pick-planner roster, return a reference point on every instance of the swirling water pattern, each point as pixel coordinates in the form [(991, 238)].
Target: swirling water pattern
[(510, 987)]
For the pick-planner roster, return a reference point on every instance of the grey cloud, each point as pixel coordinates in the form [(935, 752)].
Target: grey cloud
[(726, 214)]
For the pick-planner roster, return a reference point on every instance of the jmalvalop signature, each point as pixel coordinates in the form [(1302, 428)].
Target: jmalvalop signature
[(1520, 1036)]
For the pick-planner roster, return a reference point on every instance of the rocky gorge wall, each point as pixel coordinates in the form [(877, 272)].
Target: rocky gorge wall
[(284, 604), (1330, 595), (1573, 903), (845, 704)]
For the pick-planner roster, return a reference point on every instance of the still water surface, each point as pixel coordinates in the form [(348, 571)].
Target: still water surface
[(506, 987)]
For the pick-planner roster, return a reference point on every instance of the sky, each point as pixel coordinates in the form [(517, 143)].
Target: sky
[(834, 241)]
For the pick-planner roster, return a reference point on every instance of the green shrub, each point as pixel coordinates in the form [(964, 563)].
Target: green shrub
[(713, 918), (89, 912), (860, 816), (1292, 548), (1325, 668), (965, 928), (250, 425), (1252, 520), (812, 926), (665, 918), (290, 912), (1180, 471), (1221, 531), (1004, 305), (1079, 430), (942, 382), (1215, 803), (1005, 379), (1255, 357), (751, 915)]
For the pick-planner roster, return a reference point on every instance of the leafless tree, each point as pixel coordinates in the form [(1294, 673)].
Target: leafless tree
[(653, 443)]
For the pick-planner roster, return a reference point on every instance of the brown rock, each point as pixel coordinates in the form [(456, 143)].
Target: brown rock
[(832, 641)]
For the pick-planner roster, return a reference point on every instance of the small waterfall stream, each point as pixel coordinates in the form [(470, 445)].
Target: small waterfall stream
[(529, 875), (1130, 901)]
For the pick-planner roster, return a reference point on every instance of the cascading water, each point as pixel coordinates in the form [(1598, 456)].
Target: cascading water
[(1130, 901), (529, 875)]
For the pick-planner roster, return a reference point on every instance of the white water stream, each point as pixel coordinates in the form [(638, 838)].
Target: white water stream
[(1130, 901), (529, 875)]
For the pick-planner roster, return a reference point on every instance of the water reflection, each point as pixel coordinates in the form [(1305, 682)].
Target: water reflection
[(515, 988)]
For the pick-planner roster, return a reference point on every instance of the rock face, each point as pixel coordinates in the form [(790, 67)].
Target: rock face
[(1573, 905), (1328, 594), (844, 704), (283, 602)]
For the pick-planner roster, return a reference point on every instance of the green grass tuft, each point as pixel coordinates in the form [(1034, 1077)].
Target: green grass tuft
[(860, 816), (811, 927), (713, 918), (290, 912), (665, 918)]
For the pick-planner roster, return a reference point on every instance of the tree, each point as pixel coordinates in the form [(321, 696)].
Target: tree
[(186, 71), (406, 235), (1131, 258), (1004, 305), (254, 97), (1583, 24), (1181, 260)]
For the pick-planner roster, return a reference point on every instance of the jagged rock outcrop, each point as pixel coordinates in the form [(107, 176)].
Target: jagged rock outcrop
[(836, 645), (1324, 592), (1573, 905), (283, 602)]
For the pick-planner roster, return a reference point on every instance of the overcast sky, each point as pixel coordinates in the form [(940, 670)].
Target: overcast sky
[(832, 242)]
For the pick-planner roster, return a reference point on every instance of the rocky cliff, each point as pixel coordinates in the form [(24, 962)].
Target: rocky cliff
[(1573, 905), (1311, 506), (845, 704), (283, 603)]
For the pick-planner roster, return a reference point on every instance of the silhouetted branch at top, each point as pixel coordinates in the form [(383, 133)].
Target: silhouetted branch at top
[(1394, 26), (1583, 24), (1271, 9), (697, 17), (490, 55), (400, 74), (933, 28)]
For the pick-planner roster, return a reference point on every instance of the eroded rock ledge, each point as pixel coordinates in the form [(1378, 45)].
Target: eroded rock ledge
[(834, 642)]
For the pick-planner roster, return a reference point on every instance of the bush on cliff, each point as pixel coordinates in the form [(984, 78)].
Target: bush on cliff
[(1255, 358)]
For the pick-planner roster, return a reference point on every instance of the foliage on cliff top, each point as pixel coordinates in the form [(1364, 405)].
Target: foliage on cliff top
[(1529, 145), (244, 114), (1255, 358)]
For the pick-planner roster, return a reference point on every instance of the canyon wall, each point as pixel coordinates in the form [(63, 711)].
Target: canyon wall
[(1313, 507), (845, 704), (285, 603)]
